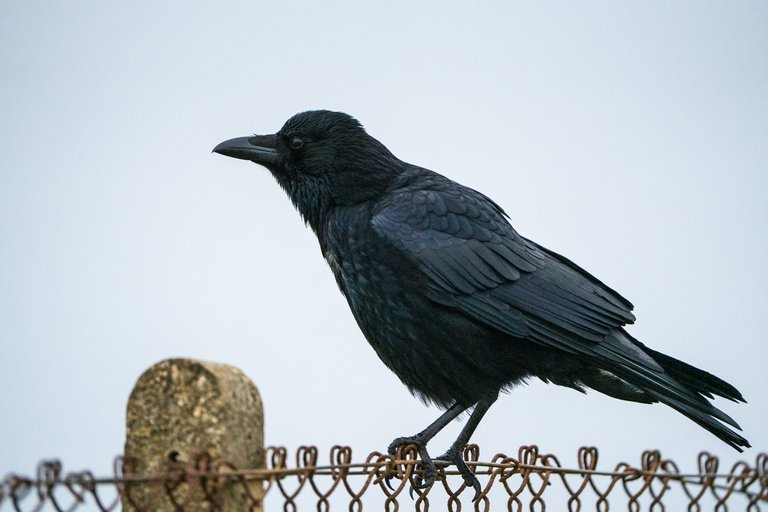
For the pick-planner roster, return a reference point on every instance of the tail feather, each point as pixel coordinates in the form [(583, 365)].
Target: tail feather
[(706, 420), (671, 382), (693, 378)]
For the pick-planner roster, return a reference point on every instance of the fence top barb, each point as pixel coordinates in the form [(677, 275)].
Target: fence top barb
[(521, 479)]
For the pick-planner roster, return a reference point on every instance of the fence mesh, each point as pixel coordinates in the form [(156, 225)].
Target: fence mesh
[(529, 480)]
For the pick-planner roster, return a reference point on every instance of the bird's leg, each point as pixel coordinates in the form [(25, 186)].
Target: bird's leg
[(455, 453), (421, 439)]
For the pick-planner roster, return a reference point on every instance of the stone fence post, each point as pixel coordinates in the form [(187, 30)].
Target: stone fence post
[(179, 409)]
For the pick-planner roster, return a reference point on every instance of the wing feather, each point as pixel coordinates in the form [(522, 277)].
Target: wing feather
[(463, 244)]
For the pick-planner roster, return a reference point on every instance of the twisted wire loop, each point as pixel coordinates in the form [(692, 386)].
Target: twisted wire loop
[(530, 480)]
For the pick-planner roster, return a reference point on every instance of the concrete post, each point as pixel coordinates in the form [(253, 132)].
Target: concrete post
[(179, 409)]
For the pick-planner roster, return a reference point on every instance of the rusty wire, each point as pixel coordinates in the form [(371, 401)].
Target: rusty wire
[(509, 483)]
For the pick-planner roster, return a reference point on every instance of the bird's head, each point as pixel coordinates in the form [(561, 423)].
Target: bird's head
[(322, 159)]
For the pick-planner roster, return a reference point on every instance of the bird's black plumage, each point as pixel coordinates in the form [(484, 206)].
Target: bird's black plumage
[(453, 300)]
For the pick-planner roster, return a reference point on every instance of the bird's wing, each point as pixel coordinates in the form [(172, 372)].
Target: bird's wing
[(475, 261)]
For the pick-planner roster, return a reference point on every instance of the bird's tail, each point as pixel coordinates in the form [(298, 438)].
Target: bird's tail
[(708, 417), (703, 384), (691, 377), (680, 386)]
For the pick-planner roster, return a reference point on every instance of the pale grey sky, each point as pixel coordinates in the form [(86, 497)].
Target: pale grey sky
[(630, 136)]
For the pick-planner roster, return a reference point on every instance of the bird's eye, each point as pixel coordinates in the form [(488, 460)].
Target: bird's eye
[(296, 143)]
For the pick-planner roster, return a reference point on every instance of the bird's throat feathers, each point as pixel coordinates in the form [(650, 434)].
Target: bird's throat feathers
[(310, 198), (349, 177)]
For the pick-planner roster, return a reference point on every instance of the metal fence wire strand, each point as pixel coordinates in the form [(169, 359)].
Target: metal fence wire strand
[(531, 480)]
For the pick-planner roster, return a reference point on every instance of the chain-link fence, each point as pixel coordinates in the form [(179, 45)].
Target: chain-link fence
[(527, 480)]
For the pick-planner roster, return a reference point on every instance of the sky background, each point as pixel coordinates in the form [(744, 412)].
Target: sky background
[(630, 136)]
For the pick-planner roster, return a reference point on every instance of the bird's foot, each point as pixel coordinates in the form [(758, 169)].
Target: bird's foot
[(426, 471), (455, 456)]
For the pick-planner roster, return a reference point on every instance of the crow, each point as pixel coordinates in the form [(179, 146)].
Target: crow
[(452, 299)]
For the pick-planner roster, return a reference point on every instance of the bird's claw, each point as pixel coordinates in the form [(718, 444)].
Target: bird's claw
[(424, 480), (469, 478), (455, 456), (427, 471), (400, 442), (388, 482)]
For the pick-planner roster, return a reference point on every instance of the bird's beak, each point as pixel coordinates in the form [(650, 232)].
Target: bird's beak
[(258, 148)]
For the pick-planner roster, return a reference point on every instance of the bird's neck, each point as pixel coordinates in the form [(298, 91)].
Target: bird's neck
[(311, 201)]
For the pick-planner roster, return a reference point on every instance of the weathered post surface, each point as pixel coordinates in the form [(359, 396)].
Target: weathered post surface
[(180, 409)]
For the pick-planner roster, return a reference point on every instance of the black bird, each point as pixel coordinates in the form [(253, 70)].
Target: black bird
[(452, 299)]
